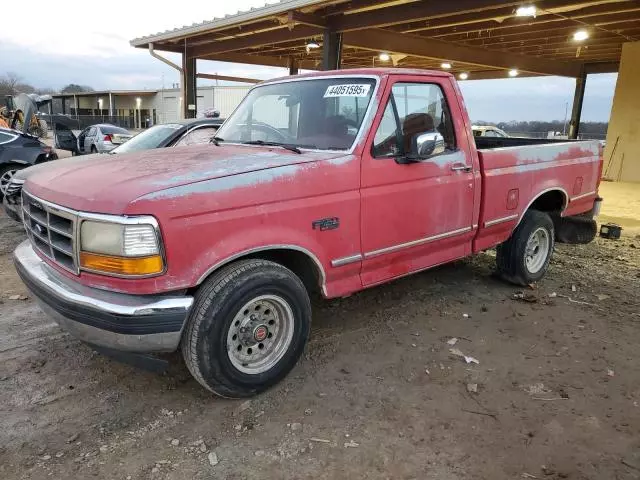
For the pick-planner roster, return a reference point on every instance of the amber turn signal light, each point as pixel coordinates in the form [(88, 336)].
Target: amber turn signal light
[(134, 266)]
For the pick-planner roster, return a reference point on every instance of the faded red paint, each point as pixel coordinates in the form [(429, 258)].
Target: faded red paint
[(214, 203)]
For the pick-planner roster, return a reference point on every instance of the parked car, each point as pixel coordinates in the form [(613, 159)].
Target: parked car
[(20, 150), (488, 131), (187, 132), (331, 182), (101, 138)]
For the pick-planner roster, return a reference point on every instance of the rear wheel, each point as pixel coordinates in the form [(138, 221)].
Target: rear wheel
[(247, 328), (525, 257)]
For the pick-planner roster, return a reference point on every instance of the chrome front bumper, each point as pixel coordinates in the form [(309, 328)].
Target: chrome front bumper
[(130, 323)]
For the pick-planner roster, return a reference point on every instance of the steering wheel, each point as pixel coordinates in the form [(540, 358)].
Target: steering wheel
[(350, 122), (269, 131)]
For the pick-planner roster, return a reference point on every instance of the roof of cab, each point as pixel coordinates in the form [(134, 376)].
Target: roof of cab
[(376, 72)]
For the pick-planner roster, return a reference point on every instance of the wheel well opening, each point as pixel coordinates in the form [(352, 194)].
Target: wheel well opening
[(298, 262), (551, 201)]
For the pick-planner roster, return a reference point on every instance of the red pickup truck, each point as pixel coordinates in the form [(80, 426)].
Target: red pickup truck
[(330, 182)]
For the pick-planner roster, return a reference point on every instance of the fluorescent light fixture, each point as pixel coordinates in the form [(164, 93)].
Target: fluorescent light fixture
[(385, 57), (446, 65), (580, 35), (514, 72), (312, 45), (526, 11), (463, 76)]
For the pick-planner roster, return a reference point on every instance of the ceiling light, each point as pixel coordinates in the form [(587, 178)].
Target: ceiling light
[(385, 57), (514, 72), (446, 65), (313, 44), (526, 11), (463, 76), (580, 35)]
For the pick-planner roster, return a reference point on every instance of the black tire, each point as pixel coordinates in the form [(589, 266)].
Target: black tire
[(511, 255), (94, 149), (218, 302), (579, 229)]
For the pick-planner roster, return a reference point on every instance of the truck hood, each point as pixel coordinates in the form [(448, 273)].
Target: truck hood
[(111, 183)]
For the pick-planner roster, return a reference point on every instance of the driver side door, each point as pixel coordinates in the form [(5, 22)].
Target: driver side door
[(65, 138), (416, 215)]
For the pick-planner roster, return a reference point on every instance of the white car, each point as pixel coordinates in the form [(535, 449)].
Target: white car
[(101, 138), (488, 131)]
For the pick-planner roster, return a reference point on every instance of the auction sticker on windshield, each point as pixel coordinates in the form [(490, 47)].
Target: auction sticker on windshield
[(350, 90)]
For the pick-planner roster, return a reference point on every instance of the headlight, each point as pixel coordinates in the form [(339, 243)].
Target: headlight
[(120, 249)]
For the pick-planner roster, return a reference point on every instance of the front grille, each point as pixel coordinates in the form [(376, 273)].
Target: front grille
[(52, 231)]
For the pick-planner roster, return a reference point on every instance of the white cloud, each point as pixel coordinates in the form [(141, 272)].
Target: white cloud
[(76, 28)]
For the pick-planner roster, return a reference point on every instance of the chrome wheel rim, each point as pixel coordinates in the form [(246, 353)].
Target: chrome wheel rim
[(537, 250), (260, 334), (5, 179)]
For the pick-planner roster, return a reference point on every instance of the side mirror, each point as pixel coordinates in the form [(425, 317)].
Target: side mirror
[(426, 145)]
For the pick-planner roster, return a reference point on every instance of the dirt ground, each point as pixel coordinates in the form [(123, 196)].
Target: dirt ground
[(378, 394)]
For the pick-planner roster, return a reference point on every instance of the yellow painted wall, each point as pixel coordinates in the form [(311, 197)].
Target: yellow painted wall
[(622, 154)]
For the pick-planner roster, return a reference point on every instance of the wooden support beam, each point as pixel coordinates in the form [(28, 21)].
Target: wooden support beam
[(265, 60), (227, 78), (544, 30), (490, 19), (576, 112), (602, 67), (331, 50), (293, 66), (281, 35), (536, 41), (496, 74), (381, 40), (295, 18), (408, 12), (189, 86)]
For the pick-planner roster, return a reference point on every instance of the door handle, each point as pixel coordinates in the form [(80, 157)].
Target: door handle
[(456, 167)]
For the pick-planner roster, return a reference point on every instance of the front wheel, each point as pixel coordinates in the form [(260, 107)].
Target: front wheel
[(525, 257), (6, 174), (247, 328)]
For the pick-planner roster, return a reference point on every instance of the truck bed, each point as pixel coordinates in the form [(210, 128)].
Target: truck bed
[(499, 142), (515, 172)]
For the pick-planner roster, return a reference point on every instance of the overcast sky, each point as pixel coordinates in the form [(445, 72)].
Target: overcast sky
[(90, 46)]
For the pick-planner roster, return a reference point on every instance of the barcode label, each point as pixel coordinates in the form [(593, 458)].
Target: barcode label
[(350, 90)]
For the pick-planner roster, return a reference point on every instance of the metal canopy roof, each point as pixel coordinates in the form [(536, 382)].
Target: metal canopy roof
[(482, 37)]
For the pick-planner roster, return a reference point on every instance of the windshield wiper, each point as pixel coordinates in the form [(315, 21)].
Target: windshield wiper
[(291, 148), (216, 141)]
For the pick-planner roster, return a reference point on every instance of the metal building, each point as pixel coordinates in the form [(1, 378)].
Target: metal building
[(142, 108)]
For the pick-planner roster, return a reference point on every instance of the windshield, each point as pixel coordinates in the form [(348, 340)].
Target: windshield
[(151, 138), (324, 113)]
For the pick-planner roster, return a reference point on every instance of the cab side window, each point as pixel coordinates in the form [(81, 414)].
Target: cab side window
[(413, 109)]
